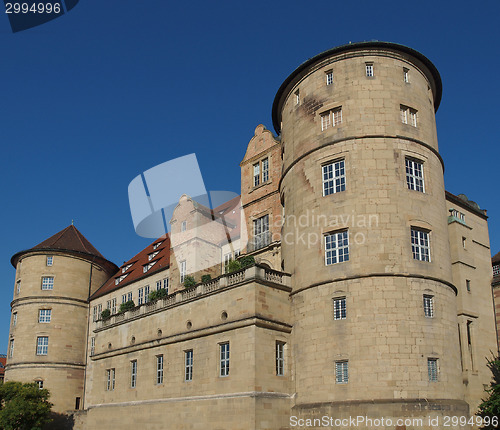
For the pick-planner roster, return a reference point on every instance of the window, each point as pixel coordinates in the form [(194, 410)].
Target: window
[(336, 247), (428, 306), (129, 297), (280, 358), (256, 174), (44, 315), (265, 170), (146, 294), (152, 255), (227, 259), (42, 345), (14, 319), (110, 379), (99, 309), (333, 177), (124, 298), (261, 236), (339, 308), (108, 305), (50, 260), (188, 373), (165, 284), (414, 175), (341, 372), (408, 115), (92, 345), (224, 359), (236, 253), (464, 242), (148, 266), (133, 373), (458, 215), (329, 77), (120, 278), (48, 283), (183, 226), (158, 285), (406, 75), (159, 369), (77, 403), (432, 369), (420, 245), (11, 348), (18, 287), (156, 245), (331, 118), (369, 70), (40, 384), (467, 285), (113, 306), (124, 269), (496, 270), (297, 97), (183, 270), (141, 296), (94, 314)]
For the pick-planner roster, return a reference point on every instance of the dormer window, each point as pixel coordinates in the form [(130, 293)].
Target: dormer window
[(124, 269), (152, 255), (148, 266), (156, 245), (121, 278)]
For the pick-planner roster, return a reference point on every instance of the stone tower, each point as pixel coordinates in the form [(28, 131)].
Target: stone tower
[(365, 238), (50, 314)]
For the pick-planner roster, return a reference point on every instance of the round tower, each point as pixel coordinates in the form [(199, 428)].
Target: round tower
[(365, 236), (50, 311)]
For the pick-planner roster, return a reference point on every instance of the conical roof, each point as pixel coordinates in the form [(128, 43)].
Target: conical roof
[(71, 241)]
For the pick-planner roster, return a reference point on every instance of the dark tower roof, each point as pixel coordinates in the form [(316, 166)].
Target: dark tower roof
[(71, 241)]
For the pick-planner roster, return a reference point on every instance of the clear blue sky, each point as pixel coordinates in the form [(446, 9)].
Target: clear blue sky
[(94, 98)]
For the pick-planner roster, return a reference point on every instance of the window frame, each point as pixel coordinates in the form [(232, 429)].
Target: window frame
[(337, 182), (414, 173), (433, 369), (342, 371), (280, 358), (188, 365), (329, 77), (339, 308), (46, 317), (42, 345), (50, 261), (224, 359), (332, 252), (428, 304), (369, 70), (133, 373), (47, 283), (182, 270), (420, 251), (331, 118), (261, 232), (159, 369)]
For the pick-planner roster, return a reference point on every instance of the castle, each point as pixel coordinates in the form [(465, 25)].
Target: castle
[(371, 293)]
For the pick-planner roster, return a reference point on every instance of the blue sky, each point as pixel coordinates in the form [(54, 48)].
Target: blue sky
[(115, 87)]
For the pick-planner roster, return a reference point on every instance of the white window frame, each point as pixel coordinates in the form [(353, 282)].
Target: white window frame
[(256, 174), (428, 302), (224, 359), (334, 178), (280, 358), (408, 115), (331, 118), (265, 170), (148, 266), (146, 294), (336, 247), (14, 319), (433, 369), (339, 308), (92, 346), (342, 372), (124, 298), (124, 269), (11, 348), (227, 258), (113, 305), (110, 379), (141, 296), (369, 70), (414, 174), (44, 316), (50, 260), (261, 233), (182, 270), (188, 365), (120, 278), (406, 75), (129, 296), (420, 244), (42, 345), (297, 97), (152, 255), (329, 77), (165, 284), (159, 369), (47, 283), (133, 374)]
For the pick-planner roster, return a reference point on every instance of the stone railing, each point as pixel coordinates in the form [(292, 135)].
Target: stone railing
[(254, 273)]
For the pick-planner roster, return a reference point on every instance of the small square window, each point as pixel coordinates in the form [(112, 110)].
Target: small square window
[(432, 369), (44, 315), (50, 260), (408, 115), (342, 372), (48, 283), (40, 384), (339, 308), (496, 270)]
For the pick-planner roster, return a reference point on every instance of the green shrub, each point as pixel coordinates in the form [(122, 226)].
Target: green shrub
[(153, 296), (247, 261), (206, 278), (127, 306), (161, 293), (189, 281), (233, 266), (105, 314)]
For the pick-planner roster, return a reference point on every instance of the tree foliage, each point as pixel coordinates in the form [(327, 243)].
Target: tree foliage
[(189, 281), (127, 306), (23, 406), (491, 406)]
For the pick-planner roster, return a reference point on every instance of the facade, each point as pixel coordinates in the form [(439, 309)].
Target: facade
[(3, 362), (370, 297)]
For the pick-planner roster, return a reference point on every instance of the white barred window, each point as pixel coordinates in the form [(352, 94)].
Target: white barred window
[(331, 118), (428, 306), (408, 115), (342, 372), (414, 175), (369, 70), (48, 283), (44, 315), (333, 177), (339, 308), (183, 270), (141, 296), (496, 270), (329, 77), (420, 245), (50, 260), (42, 345), (188, 371), (224, 359), (280, 358), (432, 369), (159, 369), (256, 174), (336, 247)]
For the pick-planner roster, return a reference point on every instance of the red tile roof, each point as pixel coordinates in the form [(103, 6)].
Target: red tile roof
[(496, 258), (72, 241), (160, 261)]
